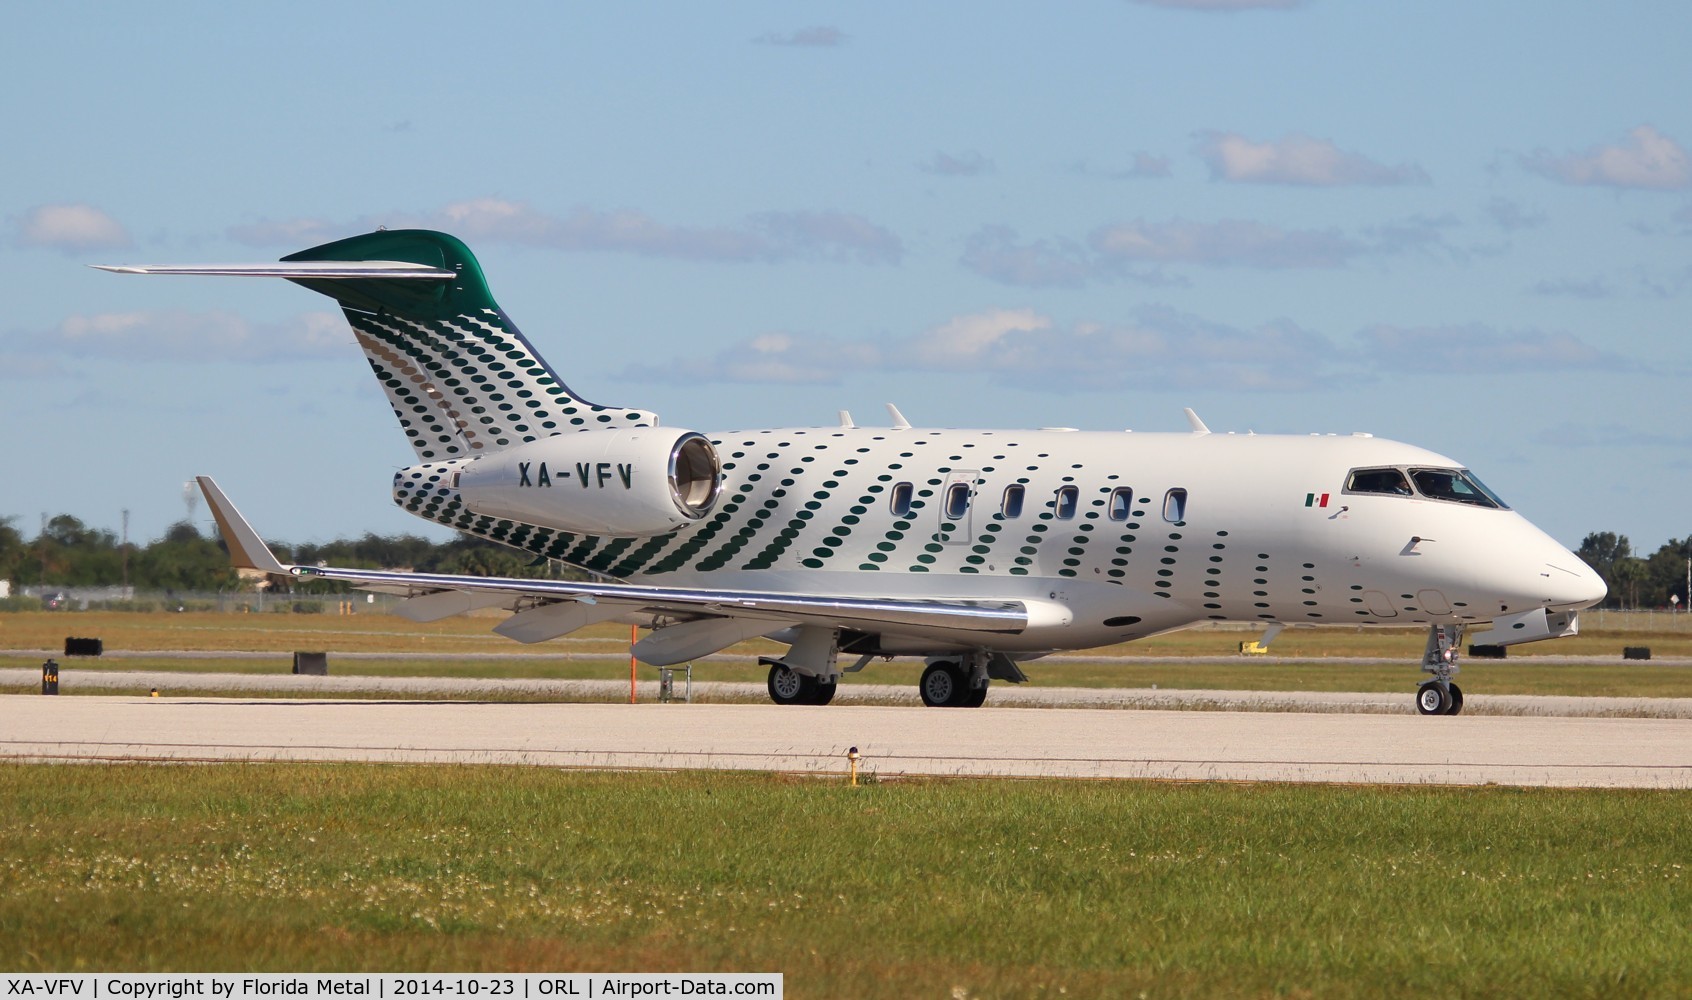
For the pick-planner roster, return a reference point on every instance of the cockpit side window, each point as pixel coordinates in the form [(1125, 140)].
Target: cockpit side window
[(1387, 481), (1458, 485)]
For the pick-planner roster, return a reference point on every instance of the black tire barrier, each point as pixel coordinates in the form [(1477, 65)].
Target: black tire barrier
[(1487, 652), (83, 647), (1636, 653), (316, 664)]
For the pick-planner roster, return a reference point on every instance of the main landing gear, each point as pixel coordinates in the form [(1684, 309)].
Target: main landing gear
[(809, 675), (945, 684), (1441, 696), (790, 687)]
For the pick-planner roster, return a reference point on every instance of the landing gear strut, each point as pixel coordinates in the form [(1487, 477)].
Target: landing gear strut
[(1441, 696)]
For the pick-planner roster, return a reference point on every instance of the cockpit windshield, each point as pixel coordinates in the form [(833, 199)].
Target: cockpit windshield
[(1459, 485), (1454, 485), (1389, 481)]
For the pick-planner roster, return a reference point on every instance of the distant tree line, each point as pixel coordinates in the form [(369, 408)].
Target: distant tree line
[(69, 553), (1652, 581)]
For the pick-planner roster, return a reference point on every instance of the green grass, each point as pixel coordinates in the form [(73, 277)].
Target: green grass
[(920, 888)]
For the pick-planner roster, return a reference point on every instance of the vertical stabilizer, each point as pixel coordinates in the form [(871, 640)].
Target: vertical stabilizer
[(460, 376)]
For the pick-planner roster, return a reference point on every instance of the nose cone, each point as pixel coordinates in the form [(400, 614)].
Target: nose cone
[(1517, 566), (1570, 584)]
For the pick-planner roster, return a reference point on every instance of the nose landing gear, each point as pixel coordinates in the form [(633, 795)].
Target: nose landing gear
[(1441, 696)]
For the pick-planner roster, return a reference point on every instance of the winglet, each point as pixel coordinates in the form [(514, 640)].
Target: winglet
[(246, 549), (899, 421), (1197, 424)]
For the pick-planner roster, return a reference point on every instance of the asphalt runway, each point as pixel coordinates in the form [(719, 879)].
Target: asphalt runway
[(893, 741)]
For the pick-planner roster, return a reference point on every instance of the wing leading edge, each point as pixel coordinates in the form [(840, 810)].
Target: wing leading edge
[(551, 608)]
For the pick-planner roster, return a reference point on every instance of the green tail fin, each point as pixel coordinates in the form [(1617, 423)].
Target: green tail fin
[(462, 379)]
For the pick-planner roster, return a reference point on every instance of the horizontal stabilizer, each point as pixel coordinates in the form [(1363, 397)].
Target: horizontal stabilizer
[(341, 270)]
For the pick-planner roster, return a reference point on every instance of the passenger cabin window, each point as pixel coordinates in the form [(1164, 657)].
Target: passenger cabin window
[(1457, 485), (1175, 506), (1011, 504), (899, 501), (1388, 481), (1121, 499), (957, 500), (1068, 498)]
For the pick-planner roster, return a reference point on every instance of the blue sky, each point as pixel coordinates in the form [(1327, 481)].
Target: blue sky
[(1466, 226)]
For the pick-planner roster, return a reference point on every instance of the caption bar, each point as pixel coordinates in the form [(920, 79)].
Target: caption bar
[(388, 985)]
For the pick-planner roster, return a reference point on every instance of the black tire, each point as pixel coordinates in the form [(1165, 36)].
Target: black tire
[(1432, 699), (943, 685), (789, 687), (1456, 701), (976, 698), (822, 692)]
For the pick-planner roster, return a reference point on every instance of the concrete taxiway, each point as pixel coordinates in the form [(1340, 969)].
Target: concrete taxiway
[(173, 683), (1051, 742)]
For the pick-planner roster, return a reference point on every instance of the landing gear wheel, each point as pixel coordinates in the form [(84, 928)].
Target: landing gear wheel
[(822, 692), (1456, 701), (788, 687), (1433, 699), (943, 685), (975, 697)]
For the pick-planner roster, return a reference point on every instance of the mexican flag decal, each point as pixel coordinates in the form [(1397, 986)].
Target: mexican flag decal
[(1316, 499)]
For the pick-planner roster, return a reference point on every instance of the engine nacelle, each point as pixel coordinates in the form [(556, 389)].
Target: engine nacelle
[(630, 481)]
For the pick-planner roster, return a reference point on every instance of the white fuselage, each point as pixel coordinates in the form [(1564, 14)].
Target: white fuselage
[(1119, 535)]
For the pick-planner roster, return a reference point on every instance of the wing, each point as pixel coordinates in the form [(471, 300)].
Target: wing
[(547, 609)]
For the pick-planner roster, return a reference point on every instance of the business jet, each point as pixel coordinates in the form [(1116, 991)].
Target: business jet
[(975, 550)]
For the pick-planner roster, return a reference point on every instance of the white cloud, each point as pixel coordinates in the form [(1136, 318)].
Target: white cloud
[(1646, 159), (1510, 217), (1141, 251), (970, 164), (1611, 435), (1594, 288), (177, 336), (26, 368), (995, 253), (1145, 166), (1230, 243), (768, 237), (1480, 350), (294, 233), (1296, 159), (1158, 349), (819, 37), (70, 229), (966, 341)]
